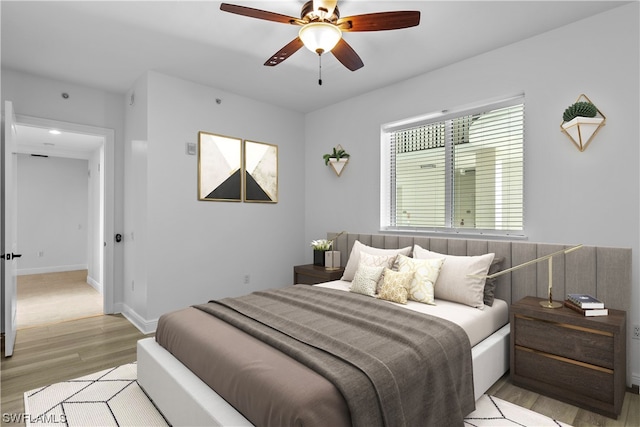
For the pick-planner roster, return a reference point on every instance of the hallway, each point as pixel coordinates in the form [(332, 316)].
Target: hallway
[(56, 297)]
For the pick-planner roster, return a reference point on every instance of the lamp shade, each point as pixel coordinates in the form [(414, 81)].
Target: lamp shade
[(320, 37)]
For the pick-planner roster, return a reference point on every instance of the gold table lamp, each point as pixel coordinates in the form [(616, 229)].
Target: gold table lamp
[(550, 303)]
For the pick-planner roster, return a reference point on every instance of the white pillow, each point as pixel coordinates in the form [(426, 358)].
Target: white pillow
[(371, 260), (454, 283), (425, 274), (365, 281), (354, 257)]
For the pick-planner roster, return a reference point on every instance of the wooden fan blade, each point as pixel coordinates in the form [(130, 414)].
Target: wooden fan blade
[(260, 14), (285, 52), (347, 56), (380, 21)]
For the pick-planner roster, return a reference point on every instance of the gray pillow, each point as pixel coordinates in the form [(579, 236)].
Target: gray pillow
[(490, 284)]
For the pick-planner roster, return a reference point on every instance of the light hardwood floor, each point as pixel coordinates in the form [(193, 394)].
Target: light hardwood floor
[(629, 416), (55, 297), (57, 352), (53, 353)]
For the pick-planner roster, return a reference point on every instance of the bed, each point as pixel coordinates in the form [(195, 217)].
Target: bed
[(185, 399)]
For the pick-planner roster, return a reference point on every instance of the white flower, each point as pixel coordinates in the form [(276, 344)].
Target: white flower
[(321, 245)]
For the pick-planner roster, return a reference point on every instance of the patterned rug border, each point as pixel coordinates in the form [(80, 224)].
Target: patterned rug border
[(501, 413), (114, 397)]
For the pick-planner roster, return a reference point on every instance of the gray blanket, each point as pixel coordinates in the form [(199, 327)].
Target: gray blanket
[(394, 367)]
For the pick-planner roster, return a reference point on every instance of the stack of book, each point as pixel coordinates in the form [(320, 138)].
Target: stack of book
[(586, 305)]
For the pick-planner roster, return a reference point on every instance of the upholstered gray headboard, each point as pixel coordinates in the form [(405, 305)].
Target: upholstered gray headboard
[(600, 271)]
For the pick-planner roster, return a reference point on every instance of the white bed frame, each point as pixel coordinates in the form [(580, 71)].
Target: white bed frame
[(605, 272), (185, 400)]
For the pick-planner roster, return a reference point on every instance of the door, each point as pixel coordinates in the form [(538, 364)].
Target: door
[(9, 228)]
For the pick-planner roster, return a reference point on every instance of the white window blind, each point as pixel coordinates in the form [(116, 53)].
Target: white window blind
[(459, 171)]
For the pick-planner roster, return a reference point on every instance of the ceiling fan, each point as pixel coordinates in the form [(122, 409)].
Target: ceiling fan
[(322, 29)]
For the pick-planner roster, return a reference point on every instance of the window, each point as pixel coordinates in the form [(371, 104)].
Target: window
[(460, 171)]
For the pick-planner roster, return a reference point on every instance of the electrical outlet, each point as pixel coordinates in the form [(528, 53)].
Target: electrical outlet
[(247, 279), (636, 332)]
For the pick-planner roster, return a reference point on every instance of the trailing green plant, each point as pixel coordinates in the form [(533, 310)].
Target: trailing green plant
[(337, 154), (579, 109)]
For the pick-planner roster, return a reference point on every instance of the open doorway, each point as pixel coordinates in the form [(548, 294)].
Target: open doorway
[(87, 152)]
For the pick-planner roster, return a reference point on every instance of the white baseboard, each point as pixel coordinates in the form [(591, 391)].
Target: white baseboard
[(143, 325), (51, 269), (94, 284)]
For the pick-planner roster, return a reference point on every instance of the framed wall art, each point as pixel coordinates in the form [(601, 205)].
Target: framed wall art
[(260, 172), (219, 168)]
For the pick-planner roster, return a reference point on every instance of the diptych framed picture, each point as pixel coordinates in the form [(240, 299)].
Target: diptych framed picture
[(233, 170)]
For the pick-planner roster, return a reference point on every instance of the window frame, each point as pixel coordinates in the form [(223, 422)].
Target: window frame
[(387, 170)]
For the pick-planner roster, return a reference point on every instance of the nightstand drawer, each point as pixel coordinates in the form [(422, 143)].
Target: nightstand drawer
[(312, 274), (565, 355), (593, 346), (575, 377), (305, 279)]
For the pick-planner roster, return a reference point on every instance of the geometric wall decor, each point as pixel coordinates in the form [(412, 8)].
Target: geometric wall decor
[(219, 167), (260, 172), (581, 130)]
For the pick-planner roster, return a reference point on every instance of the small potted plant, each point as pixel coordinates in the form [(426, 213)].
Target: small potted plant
[(581, 122), (579, 109), (337, 159), (319, 248)]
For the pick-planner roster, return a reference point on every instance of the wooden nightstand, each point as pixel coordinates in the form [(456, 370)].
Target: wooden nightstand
[(310, 274), (562, 354)]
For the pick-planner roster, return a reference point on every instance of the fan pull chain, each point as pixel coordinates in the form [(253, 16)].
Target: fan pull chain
[(320, 68)]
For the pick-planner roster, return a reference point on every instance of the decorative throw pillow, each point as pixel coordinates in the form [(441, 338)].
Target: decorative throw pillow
[(354, 257), (490, 284), (454, 283), (425, 273), (395, 286), (384, 261), (365, 281)]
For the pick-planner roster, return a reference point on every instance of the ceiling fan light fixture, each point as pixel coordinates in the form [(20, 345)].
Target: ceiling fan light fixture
[(320, 37)]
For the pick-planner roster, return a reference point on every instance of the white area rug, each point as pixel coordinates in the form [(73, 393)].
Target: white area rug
[(113, 398), (494, 412), (107, 398)]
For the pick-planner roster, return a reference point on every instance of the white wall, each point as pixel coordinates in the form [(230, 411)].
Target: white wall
[(53, 211), (135, 236), (570, 197), (200, 250)]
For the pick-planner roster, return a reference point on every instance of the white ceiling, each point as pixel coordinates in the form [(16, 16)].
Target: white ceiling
[(109, 44), (38, 140)]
